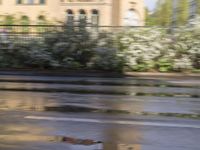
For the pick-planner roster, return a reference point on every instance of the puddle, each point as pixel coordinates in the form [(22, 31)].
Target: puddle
[(63, 139), (31, 135), (106, 101), (74, 91), (98, 91), (89, 143), (101, 108), (79, 109)]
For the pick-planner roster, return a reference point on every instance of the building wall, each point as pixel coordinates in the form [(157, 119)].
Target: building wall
[(49, 10), (136, 5), (116, 12), (111, 12), (103, 7)]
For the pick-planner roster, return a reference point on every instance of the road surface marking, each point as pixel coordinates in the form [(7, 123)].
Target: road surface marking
[(85, 120)]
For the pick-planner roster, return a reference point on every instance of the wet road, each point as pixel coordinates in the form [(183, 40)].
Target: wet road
[(81, 113)]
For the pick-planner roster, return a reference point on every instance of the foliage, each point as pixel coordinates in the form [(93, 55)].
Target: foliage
[(164, 65), (22, 20), (162, 15), (135, 49), (165, 13), (9, 20), (107, 59), (198, 7), (155, 49), (183, 12), (140, 48), (71, 46), (20, 55)]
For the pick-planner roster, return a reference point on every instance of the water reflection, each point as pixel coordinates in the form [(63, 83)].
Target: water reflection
[(102, 101), (147, 82), (98, 103), (122, 139), (101, 89), (108, 146), (23, 101), (113, 138)]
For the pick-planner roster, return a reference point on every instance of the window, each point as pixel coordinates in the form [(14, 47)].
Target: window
[(9, 20), (42, 1), (95, 17), (82, 16), (19, 2), (70, 16), (41, 20), (30, 2), (25, 21)]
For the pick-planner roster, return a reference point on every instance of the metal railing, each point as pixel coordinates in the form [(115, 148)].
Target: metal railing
[(24, 33)]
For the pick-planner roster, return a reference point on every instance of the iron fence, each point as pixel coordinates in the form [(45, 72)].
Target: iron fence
[(24, 33), (21, 33)]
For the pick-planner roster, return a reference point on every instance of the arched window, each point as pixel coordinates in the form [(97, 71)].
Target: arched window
[(131, 18), (41, 17), (70, 16), (82, 16), (41, 20), (9, 20), (41, 2), (1, 19), (25, 21), (30, 2), (95, 17), (19, 1)]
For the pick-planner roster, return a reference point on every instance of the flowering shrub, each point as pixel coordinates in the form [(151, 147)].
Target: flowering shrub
[(156, 49), (140, 47), (136, 49)]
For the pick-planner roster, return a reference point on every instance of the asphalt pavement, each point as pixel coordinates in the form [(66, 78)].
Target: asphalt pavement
[(96, 113)]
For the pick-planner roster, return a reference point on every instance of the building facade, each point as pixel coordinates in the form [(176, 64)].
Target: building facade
[(98, 12)]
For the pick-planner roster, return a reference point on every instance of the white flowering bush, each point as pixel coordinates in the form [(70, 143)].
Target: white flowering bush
[(187, 47), (182, 63), (156, 49), (140, 47)]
